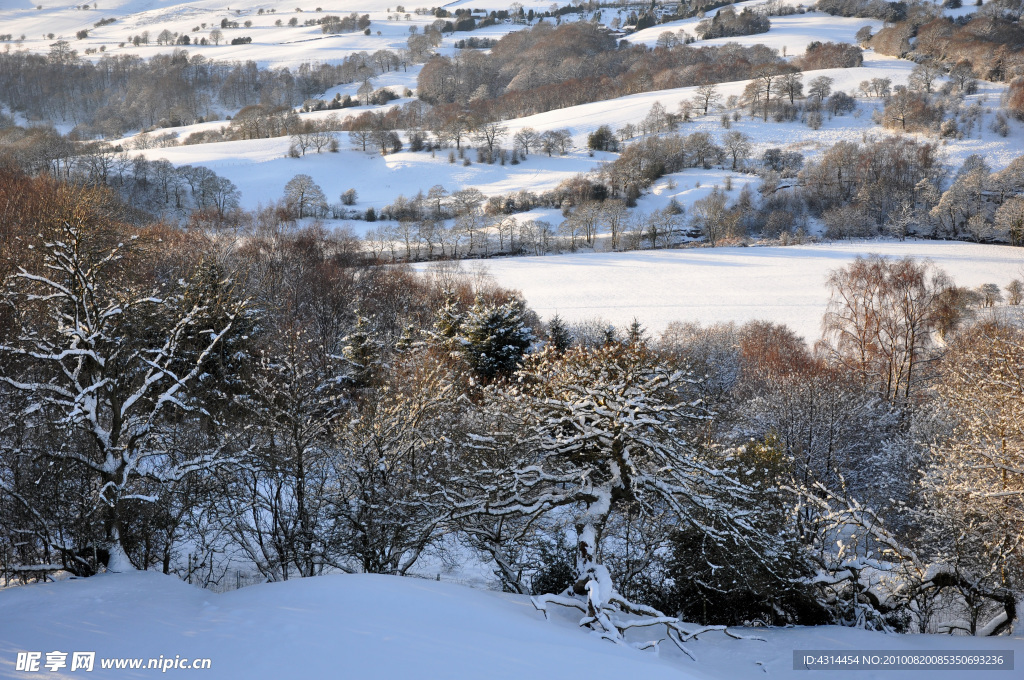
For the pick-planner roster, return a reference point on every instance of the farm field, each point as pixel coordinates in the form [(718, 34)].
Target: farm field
[(716, 285)]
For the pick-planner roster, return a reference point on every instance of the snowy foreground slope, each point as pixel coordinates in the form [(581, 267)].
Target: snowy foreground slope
[(364, 626), (781, 284)]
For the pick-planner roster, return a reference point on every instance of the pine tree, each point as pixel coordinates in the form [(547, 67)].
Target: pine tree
[(495, 337), (610, 335), (637, 333), (362, 351), (447, 323), (407, 340), (558, 334)]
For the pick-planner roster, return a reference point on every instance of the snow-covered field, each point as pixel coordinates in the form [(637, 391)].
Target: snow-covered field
[(369, 627), (260, 169), (781, 284)]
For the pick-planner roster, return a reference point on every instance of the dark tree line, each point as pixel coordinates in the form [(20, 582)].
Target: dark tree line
[(548, 67), (116, 94)]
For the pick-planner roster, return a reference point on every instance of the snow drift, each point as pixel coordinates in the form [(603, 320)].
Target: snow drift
[(367, 626)]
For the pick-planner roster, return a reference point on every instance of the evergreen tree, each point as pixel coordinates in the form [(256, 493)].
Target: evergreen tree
[(637, 333), (362, 351), (495, 337), (447, 323), (610, 335), (407, 340), (558, 334)]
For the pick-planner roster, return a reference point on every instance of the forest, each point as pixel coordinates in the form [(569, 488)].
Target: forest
[(187, 398)]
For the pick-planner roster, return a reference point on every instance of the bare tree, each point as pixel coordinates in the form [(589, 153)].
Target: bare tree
[(304, 196), (526, 139), (709, 216), (556, 141), (880, 320), (974, 487), (707, 95), (490, 134), (737, 145), (792, 86), (820, 88), (924, 75), (597, 433)]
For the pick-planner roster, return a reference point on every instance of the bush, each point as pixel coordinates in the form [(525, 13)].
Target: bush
[(1000, 125), (557, 569), (788, 163)]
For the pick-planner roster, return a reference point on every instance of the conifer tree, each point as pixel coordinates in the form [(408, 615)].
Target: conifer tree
[(447, 322), (362, 351), (495, 337), (558, 334)]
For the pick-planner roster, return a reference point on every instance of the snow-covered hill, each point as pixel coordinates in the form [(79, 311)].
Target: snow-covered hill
[(260, 168), (369, 627), (786, 286)]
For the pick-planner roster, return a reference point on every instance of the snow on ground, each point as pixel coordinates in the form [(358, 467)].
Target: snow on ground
[(790, 35), (793, 32), (272, 45), (691, 185), (261, 168), (583, 119), (781, 284), (386, 627), (342, 626)]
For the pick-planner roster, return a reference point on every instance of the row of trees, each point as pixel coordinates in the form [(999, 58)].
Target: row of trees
[(185, 403), (115, 94), (727, 23), (547, 67), (152, 187)]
